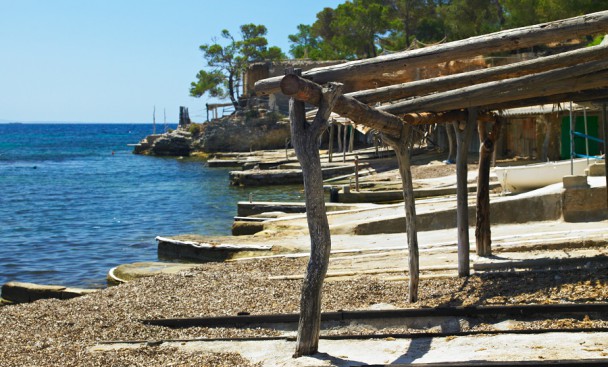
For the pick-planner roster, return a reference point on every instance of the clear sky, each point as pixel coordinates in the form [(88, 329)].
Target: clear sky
[(114, 60)]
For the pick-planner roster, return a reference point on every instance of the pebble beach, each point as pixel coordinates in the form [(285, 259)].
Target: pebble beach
[(63, 333)]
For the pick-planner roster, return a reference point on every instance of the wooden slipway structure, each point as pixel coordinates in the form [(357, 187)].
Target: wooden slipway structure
[(386, 102)]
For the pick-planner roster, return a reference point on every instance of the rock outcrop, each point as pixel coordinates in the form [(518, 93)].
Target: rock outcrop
[(242, 134), (174, 143), (237, 133)]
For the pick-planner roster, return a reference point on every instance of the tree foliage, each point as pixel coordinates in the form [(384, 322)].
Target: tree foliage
[(364, 28), (227, 63)]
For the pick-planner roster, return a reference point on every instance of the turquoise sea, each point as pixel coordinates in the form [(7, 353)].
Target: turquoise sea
[(74, 201)]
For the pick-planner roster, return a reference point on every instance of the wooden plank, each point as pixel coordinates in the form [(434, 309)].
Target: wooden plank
[(246, 319), (386, 70)]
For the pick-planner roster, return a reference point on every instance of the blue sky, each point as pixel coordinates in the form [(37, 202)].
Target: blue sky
[(114, 60)]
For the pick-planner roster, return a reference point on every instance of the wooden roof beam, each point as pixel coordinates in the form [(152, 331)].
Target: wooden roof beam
[(590, 95), (360, 113), (384, 70), (570, 79), (310, 92), (449, 82)]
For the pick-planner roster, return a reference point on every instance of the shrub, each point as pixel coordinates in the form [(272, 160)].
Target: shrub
[(194, 129)]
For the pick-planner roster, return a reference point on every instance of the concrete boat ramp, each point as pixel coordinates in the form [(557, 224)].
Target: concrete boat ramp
[(550, 203), (531, 229)]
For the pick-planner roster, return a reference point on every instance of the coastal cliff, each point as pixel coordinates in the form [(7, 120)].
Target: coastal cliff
[(236, 133)]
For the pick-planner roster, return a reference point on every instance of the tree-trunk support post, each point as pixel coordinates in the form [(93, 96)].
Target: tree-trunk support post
[(464, 132), (395, 131), (344, 145), (402, 151), (330, 149), (449, 130), (605, 123), (483, 234), (305, 139)]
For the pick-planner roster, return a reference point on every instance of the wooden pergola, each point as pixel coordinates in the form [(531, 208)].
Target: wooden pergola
[(466, 100)]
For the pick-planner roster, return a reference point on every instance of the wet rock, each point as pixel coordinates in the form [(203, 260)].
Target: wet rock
[(176, 143)]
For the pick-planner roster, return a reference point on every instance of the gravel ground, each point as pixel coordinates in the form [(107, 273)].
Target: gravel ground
[(59, 333)]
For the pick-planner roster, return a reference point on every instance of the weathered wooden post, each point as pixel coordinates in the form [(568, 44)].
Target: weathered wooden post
[(344, 146), (483, 233), (401, 146), (305, 137), (449, 130), (357, 173), (339, 137), (332, 133), (605, 123), (351, 138), (464, 131)]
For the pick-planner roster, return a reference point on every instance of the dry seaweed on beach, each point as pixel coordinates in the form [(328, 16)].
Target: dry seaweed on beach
[(53, 332)]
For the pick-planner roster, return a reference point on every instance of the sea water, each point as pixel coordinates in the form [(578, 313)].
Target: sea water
[(75, 201)]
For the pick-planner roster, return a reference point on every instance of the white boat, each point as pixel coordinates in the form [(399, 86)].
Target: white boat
[(533, 176)]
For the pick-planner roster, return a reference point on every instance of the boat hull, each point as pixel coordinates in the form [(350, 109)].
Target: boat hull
[(533, 176)]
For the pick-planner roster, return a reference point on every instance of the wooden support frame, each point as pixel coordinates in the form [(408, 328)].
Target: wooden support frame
[(569, 83), (385, 70), (569, 79), (460, 80)]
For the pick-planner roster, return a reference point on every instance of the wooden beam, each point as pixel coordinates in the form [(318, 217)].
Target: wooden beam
[(582, 96), (385, 70), (449, 82), (360, 113), (570, 79), (307, 91)]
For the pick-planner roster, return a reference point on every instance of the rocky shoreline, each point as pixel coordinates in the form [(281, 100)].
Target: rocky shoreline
[(241, 132)]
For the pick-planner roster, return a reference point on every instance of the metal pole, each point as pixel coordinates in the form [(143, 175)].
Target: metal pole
[(571, 141)]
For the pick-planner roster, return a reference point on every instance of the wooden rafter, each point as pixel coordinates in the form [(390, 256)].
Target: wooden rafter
[(450, 82), (563, 80)]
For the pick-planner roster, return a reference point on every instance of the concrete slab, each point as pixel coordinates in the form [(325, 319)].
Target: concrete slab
[(349, 352), (126, 272)]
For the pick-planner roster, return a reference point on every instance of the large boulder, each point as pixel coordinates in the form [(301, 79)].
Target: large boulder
[(175, 143), (242, 134)]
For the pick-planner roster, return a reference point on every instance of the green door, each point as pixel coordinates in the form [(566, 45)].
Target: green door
[(579, 142)]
